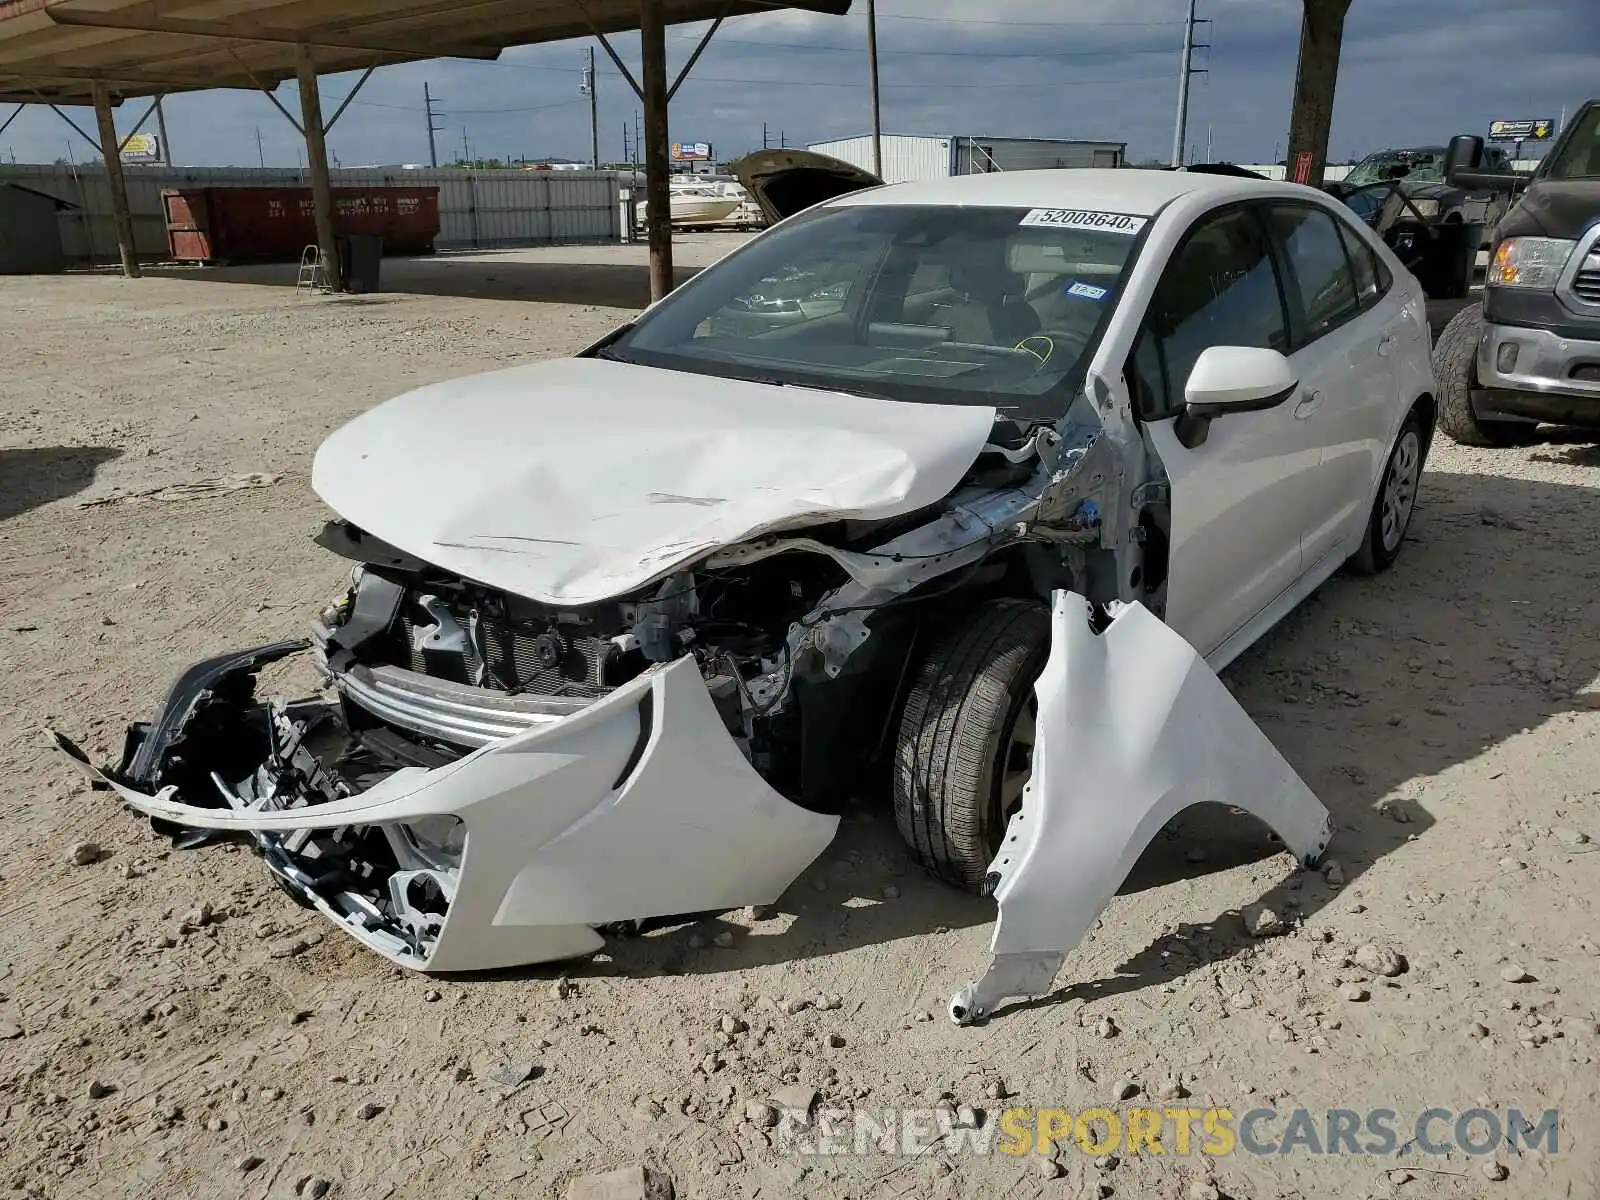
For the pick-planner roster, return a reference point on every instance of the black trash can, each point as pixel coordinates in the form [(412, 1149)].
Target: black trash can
[(360, 261)]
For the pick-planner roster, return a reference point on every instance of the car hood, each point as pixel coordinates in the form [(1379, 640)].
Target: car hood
[(581, 480), (786, 182), (1558, 208)]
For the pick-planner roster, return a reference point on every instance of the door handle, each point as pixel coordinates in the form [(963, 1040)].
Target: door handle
[(1307, 406)]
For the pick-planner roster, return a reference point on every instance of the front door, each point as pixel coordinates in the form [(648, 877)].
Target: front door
[(1237, 507)]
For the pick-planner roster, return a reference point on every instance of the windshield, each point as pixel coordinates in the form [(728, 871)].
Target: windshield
[(995, 306), (1423, 166), (1578, 156)]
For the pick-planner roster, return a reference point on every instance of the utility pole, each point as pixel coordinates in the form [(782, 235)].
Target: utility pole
[(260, 153), (765, 144), (1186, 71), (877, 104), (428, 101), (588, 88), (466, 150)]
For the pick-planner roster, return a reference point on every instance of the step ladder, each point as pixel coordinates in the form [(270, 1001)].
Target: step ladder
[(313, 275)]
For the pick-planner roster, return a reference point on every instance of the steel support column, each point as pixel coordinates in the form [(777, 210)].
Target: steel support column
[(1316, 80), (658, 192), (110, 152), (317, 159)]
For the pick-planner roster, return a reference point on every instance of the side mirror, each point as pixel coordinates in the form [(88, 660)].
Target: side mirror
[(1232, 379), (1465, 154)]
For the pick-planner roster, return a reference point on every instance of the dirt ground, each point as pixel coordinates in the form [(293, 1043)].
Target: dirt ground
[(155, 508)]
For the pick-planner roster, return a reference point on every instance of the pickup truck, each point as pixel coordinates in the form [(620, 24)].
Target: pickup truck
[(1530, 352)]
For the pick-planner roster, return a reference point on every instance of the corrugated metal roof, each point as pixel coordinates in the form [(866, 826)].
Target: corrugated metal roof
[(51, 50)]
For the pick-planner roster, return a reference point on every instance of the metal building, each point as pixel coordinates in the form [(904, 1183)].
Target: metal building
[(30, 241), (911, 157)]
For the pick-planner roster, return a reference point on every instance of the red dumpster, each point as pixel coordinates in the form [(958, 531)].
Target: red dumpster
[(249, 224)]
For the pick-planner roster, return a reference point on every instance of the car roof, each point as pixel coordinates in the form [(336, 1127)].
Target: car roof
[(1111, 189)]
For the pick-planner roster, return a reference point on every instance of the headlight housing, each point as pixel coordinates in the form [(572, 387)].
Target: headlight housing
[(1529, 262), (1426, 208)]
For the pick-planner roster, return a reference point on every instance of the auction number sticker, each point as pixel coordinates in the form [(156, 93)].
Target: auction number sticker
[(1078, 218)]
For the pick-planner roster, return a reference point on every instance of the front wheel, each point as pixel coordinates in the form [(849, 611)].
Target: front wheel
[(965, 746), (1455, 367), (1396, 501)]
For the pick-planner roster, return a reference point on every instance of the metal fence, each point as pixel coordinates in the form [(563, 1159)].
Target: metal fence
[(478, 210)]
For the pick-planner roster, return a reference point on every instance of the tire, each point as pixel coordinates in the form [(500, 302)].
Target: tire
[(964, 732), (1396, 499), (1455, 369)]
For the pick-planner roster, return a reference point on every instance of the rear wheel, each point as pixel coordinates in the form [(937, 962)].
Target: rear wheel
[(1455, 367), (1396, 501), (965, 745)]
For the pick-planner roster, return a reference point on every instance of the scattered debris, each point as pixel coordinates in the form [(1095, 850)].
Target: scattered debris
[(249, 1163), (1515, 973), (9, 1031), (723, 940), (1261, 921), (561, 988), (1333, 873), (890, 892), (99, 1090), (514, 1075), (1105, 1027), (1379, 960), (368, 1110), (1495, 1171), (732, 1025), (1124, 1089), (1356, 994), (84, 854), (313, 1187), (760, 1113)]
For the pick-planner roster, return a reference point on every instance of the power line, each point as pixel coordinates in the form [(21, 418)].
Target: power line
[(1030, 24), (1048, 54)]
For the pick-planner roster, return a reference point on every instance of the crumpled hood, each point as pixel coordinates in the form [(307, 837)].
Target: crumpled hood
[(581, 480)]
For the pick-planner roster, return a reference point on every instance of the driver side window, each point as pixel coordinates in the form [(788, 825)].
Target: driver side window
[(1220, 289)]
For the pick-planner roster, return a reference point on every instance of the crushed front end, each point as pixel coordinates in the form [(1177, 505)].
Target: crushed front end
[(484, 782)]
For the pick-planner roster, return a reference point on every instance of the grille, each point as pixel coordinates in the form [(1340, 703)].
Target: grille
[(528, 657), (1587, 285)]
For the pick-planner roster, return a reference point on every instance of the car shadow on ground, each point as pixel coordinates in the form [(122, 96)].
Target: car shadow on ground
[(1371, 689), (605, 285), (34, 477), (1568, 447)]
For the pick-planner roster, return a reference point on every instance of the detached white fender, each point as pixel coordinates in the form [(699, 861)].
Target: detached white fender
[(1133, 728)]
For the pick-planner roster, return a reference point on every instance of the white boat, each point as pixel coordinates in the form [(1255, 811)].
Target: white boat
[(699, 204)]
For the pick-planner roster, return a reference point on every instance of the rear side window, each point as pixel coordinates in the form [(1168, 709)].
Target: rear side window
[(1364, 268), (1220, 289), (1320, 271)]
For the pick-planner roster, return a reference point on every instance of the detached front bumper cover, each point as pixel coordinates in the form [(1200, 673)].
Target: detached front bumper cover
[(639, 806), (1133, 728)]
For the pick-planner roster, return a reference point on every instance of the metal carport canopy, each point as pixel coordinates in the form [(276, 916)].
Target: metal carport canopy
[(103, 51)]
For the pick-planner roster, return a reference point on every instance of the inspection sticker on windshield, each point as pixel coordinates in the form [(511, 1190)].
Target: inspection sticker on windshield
[(1078, 218), (1087, 290)]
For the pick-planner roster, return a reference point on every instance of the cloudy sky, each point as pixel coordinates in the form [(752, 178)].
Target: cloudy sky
[(1414, 71)]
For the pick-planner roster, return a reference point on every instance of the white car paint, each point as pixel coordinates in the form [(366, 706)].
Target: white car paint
[(566, 829), (1132, 713), (495, 478), (504, 477)]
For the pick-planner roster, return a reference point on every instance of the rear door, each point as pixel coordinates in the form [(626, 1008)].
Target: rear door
[(1347, 330), (1237, 508)]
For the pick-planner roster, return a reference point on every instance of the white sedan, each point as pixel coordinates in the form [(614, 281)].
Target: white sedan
[(976, 482)]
